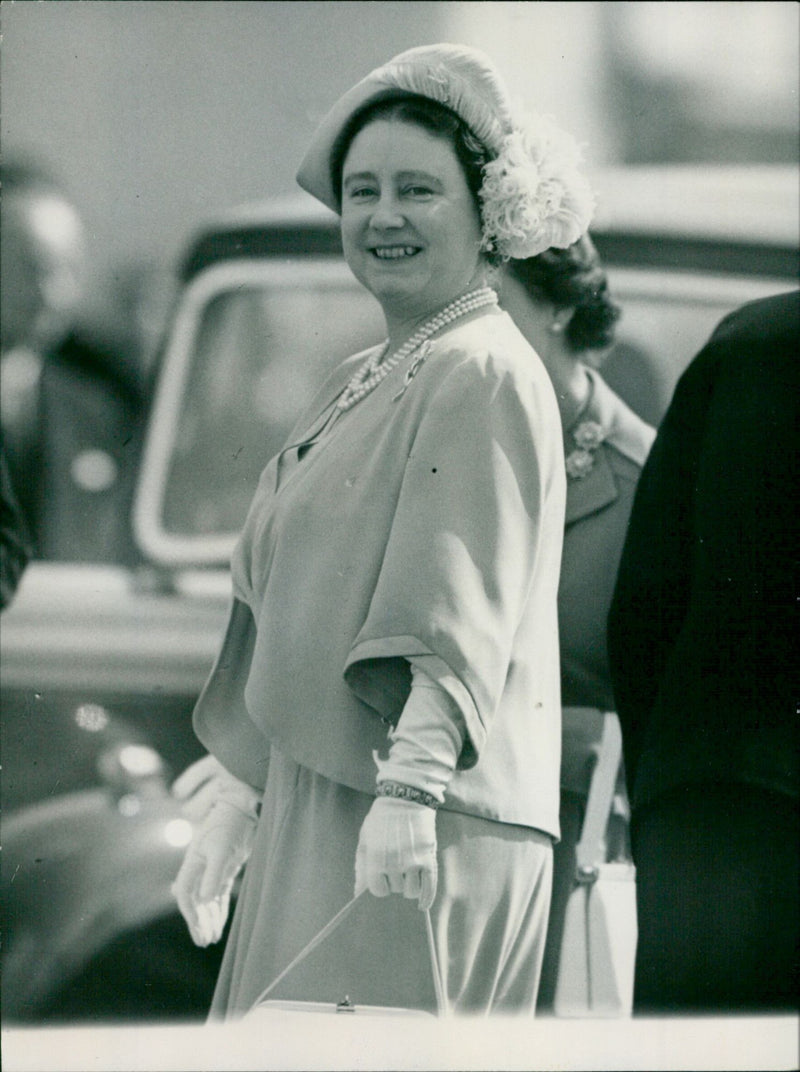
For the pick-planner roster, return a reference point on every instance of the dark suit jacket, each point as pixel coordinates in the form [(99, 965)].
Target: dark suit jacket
[(701, 627)]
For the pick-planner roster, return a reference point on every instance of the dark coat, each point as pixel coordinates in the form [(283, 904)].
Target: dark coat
[(701, 627)]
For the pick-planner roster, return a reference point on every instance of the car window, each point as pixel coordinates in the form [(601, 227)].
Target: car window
[(667, 316), (251, 345)]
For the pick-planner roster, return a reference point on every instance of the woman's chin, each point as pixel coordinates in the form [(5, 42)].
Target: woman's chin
[(411, 297), (398, 294)]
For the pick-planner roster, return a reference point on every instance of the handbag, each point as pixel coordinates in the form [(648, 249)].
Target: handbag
[(598, 946), (263, 1005)]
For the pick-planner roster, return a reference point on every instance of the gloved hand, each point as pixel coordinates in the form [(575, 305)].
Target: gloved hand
[(397, 851), (201, 785), (221, 846)]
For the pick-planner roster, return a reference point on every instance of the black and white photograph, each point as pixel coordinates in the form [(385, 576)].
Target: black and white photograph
[(399, 537)]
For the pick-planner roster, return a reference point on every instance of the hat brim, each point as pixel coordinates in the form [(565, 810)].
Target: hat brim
[(314, 174)]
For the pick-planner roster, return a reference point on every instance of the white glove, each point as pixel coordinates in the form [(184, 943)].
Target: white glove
[(201, 785), (221, 846), (397, 851)]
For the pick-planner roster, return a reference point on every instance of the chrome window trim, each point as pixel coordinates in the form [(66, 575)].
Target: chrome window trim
[(677, 287)]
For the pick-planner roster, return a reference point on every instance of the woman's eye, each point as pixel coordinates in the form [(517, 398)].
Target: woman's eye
[(417, 191), (359, 193)]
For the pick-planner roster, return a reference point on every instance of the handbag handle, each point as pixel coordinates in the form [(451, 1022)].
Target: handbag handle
[(590, 849), (441, 999)]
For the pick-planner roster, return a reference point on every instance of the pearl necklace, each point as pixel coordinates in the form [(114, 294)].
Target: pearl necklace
[(375, 369)]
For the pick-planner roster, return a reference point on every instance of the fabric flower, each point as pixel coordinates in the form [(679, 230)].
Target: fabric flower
[(589, 435), (533, 195), (579, 463)]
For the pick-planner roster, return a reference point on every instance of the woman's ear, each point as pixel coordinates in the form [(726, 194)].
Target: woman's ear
[(560, 320)]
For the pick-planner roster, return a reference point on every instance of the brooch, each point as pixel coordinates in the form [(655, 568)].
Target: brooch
[(413, 369), (587, 436)]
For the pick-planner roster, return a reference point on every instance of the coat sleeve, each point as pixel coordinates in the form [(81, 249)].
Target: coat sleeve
[(462, 549), (652, 590), (221, 720)]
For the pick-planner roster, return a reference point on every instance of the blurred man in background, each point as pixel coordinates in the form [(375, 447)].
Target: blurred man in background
[(72, 407)]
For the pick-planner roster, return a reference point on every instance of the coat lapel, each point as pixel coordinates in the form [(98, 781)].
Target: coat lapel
[(592, 492), (598, 487)]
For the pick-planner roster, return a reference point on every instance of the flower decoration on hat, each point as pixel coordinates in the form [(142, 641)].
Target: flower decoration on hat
[(534, 195)]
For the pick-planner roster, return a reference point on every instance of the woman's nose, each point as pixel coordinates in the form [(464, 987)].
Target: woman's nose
[(386, 212)]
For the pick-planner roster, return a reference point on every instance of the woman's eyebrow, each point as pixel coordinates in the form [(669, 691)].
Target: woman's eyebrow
[(359, 176), (404, 176)]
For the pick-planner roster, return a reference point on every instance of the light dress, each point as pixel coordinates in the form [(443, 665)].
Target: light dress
[(425, 521)]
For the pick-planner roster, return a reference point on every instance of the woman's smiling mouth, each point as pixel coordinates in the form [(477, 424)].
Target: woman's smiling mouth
[(394, 253)]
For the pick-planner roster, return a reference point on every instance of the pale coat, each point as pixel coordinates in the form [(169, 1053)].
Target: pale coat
[(429, 523)]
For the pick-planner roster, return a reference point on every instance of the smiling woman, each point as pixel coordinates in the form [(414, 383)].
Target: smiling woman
[(398, 568)]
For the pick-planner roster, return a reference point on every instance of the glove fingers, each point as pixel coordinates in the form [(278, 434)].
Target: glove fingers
[(205, 916), (378, 884), (412, 884), (186, 784), (184, 890), (429, 878), (361, 871), (197, 805), (211, 919), (371, 871), (395, 879), (187, 881)]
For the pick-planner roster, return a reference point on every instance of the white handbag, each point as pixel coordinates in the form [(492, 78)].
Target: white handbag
[(263, 1006), (598, 947)]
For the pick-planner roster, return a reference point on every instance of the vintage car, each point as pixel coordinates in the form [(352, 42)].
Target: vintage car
[(101, 665)]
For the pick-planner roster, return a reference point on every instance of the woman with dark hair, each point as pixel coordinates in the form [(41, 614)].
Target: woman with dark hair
[(562, 303), (388, 688)]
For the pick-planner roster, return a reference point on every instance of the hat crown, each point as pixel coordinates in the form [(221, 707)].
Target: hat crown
[(462, 78)]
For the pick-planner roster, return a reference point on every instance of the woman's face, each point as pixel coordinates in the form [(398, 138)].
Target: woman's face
[(410, 227)]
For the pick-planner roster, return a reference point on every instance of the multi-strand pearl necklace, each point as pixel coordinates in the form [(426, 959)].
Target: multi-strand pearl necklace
[(375, 369)]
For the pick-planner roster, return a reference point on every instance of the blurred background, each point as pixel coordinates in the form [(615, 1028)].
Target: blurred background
[(155, 115)]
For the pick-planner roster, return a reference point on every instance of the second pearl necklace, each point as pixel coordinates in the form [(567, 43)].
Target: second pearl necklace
[(375, 369)]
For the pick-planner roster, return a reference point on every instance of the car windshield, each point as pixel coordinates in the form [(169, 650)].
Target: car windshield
[(254, 344)]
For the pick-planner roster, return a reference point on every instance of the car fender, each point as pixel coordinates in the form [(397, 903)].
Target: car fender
[(78, 871)]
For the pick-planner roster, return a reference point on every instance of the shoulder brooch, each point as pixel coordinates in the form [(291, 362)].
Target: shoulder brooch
[(588, 436)]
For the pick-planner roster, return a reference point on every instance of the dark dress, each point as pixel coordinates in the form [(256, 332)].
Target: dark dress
[(701, 637)]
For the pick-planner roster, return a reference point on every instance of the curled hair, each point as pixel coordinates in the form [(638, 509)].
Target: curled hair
[(573, 278), (431, 116)]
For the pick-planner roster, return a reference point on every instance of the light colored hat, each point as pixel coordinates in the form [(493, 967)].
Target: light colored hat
[(533, 196)]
